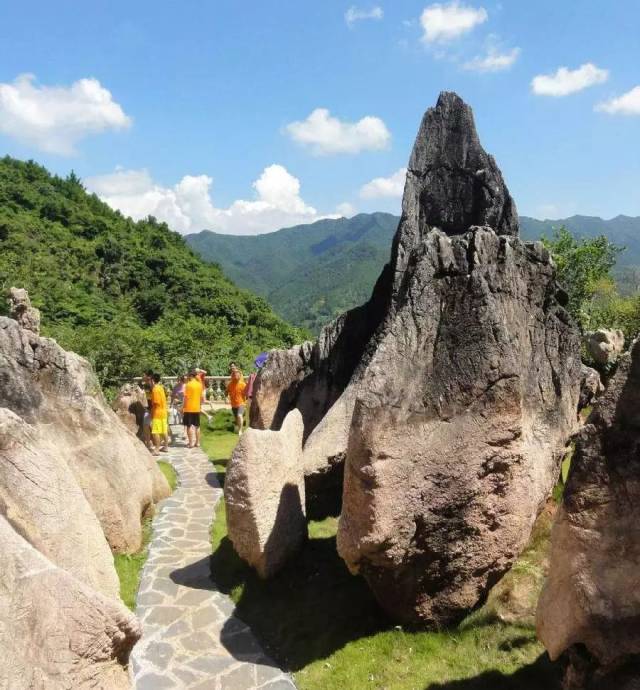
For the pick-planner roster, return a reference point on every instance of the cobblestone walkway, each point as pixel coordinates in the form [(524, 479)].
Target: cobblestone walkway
[(191, 637)]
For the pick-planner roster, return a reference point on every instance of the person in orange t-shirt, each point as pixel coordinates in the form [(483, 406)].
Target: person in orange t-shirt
[(192, 408), (159, 423), (236, 392)]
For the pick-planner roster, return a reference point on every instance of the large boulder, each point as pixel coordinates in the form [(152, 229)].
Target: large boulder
[(590, 606), (605, 346), (264, 496), (56, 632), (130, 405), (41, 499), (451, 393), (57, 393), (459, 425)]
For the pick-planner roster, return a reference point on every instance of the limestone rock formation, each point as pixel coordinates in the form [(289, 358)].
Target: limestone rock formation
[(605, 346), (56, 392), (450, 393), (130, 405), (57, 633), (590, 386), (21, 310), (42, 500), (590, 606), (264, 495)]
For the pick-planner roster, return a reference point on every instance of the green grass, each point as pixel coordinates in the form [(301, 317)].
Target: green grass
[(170, 474), (129, 566), (323, 623)]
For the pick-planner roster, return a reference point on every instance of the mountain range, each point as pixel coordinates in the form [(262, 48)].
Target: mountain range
[(311, 273)]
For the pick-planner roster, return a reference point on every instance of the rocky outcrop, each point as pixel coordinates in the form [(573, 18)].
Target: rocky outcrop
[(458, 386), (20, 310), (130, 405), (590, 386), (56, 393), (74, 485), (55, 631), (42, 500), (264, 496), (605, 346), (590, 606), (459, 424)]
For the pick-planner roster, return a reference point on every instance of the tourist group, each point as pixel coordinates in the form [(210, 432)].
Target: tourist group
[(185, 405)]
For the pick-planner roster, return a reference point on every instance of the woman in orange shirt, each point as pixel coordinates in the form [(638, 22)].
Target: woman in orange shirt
[(236, 392)]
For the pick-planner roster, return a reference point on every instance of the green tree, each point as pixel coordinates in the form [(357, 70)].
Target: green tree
[(582, 264)]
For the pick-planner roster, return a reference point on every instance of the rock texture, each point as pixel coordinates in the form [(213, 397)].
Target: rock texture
[(130, 405), (56, 393), (590, 386), (21, 310), (57, 633), (42, 500), (590, 606), (74, 485), (264, 496), (450, 394), (605, 346)]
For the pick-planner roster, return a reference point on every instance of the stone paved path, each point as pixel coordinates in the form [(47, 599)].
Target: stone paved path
[(192, 639)]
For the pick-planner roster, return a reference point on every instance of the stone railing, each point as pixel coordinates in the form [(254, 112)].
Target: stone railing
[(216, 386)]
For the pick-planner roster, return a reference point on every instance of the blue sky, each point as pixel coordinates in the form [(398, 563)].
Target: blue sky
[(201, 112)]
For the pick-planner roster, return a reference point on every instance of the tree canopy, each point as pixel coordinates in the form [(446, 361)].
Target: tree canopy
[(127, 295)]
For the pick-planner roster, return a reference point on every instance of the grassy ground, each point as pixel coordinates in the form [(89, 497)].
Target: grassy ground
[(322, 623), (129, 566)]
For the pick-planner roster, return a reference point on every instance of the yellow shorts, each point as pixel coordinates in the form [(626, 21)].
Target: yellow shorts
[(159, 426)]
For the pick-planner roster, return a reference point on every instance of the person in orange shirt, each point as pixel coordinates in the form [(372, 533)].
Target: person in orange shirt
[(236, 392), (159, 423), (191, 410)]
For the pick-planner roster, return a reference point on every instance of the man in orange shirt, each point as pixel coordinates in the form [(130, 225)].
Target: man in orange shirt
[(192, 407), (236, 391), (159, 424)]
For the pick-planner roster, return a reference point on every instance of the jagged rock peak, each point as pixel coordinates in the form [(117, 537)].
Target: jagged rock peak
[(452, 182)]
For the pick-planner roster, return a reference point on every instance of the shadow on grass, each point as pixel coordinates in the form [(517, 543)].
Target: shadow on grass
[(309, 610), (540, 675)]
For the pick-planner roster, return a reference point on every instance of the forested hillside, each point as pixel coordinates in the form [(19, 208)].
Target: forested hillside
[(311, 273), (308, 273), (126, 294)]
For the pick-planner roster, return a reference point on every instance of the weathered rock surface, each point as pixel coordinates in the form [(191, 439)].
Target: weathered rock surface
[(264, 495), (590, 386), (56, 392), (20, 310), (57, 633), (459, 424), (605, 346), (458, 386), (43, 502), (590, 605), (130, 405)]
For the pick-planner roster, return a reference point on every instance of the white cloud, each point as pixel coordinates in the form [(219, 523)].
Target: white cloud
[(354, 14), (188, 206), (445, 22), (55, 118), (327, 135), (346, 209), (565, 81), (493, 60), (392, 186), (627, 104)]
